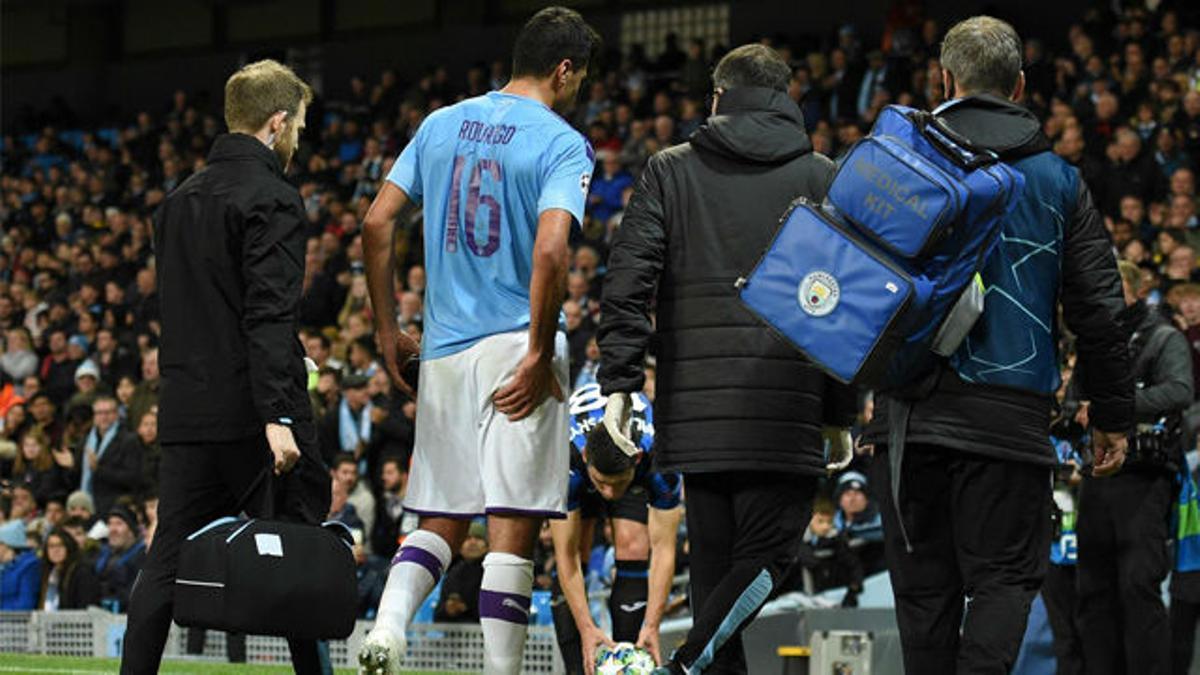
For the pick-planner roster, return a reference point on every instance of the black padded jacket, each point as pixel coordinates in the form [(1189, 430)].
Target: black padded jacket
[(730, 394)]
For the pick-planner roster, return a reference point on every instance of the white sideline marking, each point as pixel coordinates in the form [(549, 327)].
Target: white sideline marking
[(69, 671), (73, 671), (65, 670)]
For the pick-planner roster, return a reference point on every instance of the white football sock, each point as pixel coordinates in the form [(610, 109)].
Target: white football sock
[(504, 611), (416, 569)]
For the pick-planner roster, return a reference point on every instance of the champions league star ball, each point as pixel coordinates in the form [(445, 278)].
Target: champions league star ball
[(623, 659)]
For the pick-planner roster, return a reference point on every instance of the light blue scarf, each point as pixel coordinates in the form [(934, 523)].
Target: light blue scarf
[(99, 445), (350, 432)]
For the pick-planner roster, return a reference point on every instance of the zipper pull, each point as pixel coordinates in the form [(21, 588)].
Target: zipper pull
[(740, 283)]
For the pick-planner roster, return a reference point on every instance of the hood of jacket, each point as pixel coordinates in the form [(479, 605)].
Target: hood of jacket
[(755, 124), (997, 124)]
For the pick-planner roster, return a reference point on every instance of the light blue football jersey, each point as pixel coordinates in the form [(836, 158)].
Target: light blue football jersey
[(484, 170)]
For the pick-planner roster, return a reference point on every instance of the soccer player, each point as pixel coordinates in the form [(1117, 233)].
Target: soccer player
[(502, 178), (643, 508)]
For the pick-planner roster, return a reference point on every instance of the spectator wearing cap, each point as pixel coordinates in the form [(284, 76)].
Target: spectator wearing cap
[(58, 368), (87, 382), (347, 426), (120, 558), (112, 459), (859, 519), (77, 348), (20, 569), (80, 506), (459, 601)]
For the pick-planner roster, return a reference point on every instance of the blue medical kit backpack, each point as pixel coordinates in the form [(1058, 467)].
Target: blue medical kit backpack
[(881, 280)]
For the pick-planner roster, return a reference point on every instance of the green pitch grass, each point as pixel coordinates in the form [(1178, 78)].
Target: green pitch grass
[(67, 665)]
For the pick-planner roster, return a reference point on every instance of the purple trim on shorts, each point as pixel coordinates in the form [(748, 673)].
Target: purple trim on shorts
[(505, 511), (442, 514), (510, 607), (418, 555)]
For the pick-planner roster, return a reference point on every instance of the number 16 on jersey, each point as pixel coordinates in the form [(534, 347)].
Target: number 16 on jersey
[(475, 199)]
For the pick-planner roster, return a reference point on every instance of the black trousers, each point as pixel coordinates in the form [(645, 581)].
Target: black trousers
[(979, 528), (198, 484), (1062, 609), (744, 529), (1184, 616), (1122, 531)]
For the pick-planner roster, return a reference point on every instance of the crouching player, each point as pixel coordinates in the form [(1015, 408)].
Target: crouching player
[(614, 479)]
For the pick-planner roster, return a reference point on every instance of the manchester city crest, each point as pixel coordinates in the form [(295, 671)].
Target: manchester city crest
[(818, 293)]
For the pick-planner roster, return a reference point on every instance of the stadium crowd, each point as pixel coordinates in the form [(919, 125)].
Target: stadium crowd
[(1119, 96)]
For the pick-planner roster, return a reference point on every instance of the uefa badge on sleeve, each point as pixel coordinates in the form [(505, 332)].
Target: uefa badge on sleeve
[(818, 293)]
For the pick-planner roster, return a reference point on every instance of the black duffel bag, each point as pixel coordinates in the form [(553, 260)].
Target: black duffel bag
[(267, 577)]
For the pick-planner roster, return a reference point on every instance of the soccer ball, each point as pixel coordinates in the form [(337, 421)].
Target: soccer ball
[(623, 659)]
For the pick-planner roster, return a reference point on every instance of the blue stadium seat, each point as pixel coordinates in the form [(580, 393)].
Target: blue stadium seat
[(539, 609)]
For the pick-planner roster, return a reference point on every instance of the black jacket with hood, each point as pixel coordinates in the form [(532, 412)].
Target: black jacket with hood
[(730, 395), (1006, 422)]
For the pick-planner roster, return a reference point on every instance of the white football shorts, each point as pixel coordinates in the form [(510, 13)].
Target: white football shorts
[(469, 459)]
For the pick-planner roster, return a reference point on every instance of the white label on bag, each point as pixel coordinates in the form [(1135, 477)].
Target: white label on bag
[(818, 293), (269, 544)]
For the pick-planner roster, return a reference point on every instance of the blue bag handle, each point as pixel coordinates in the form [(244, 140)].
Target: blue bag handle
[(950, 143)]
